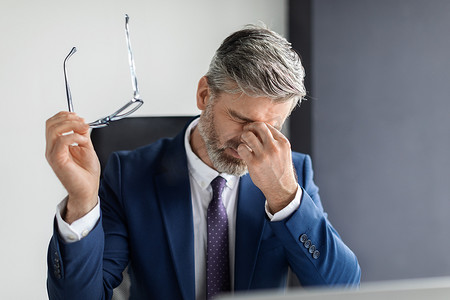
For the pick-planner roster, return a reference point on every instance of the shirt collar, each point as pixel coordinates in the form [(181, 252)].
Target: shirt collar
[(201, 172)]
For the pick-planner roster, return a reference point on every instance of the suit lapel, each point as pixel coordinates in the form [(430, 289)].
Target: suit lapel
[(250, 221), (174, 197)]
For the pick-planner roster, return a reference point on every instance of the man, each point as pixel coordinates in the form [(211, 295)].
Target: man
[(156, 202)]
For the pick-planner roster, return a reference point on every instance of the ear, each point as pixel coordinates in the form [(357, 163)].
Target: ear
[(203, 93)]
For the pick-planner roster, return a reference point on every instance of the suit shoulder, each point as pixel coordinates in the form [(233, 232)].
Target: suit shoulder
[(142, 159), (301, 160), (303, 167), (297, 156), (147, 152)]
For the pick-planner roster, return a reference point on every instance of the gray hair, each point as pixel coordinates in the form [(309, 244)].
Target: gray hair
[(259, 63)]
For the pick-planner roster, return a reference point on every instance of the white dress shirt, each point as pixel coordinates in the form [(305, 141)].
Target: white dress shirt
[(200, 177)]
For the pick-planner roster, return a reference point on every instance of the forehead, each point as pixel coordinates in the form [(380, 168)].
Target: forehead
[(255, 109)]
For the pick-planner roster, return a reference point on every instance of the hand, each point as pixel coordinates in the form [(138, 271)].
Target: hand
[(267, 153), (70, 153)]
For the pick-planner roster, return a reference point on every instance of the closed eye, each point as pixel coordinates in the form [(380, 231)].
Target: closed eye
[(239, 118)]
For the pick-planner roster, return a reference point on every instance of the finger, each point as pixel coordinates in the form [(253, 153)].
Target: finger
[(245, 152), (56, 140), (282, 141), (261, 131), (276, 134), (62, 143), (252, 141), (60, 124), (65, 126), (62, 115)]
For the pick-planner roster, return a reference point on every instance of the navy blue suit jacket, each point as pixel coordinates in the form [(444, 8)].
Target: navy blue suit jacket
[(146, 222)]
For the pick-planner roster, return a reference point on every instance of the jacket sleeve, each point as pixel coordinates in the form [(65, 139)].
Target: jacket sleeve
[(92, 267), (314, 249)]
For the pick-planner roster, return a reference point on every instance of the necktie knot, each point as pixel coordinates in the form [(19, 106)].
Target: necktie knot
[(218, 184)]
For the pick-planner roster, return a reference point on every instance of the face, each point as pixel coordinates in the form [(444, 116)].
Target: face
[(222, 121)]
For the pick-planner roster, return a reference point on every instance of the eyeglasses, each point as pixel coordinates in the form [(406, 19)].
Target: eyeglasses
[(126, 110)]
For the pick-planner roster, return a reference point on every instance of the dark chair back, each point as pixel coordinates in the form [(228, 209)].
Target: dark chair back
[(131, 133)]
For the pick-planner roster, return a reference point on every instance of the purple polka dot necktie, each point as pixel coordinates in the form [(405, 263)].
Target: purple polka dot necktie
[(217, 256)]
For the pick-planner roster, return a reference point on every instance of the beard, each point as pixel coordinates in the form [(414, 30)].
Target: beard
[(221, 161)]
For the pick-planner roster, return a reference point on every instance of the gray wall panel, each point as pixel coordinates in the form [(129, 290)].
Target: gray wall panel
[(381, 131)]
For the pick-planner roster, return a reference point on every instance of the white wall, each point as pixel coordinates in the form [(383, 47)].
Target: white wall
[(173, 42)]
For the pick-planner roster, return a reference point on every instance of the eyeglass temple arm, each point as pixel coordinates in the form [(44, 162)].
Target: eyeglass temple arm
[(68, 93), (117, 114), (131, 60)]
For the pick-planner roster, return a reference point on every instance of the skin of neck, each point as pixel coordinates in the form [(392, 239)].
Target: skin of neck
[(198, 146)]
